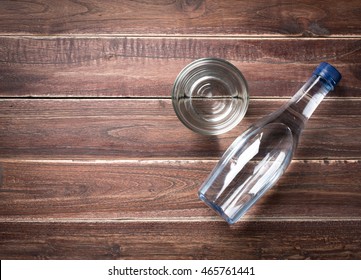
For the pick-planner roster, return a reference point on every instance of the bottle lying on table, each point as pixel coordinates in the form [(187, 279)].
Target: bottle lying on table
[(257, 159)]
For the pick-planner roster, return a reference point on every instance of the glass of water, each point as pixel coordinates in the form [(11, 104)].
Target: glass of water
[(210, 96)]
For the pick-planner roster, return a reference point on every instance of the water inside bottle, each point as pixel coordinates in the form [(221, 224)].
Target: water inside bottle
[(249, 167), (257, 158)]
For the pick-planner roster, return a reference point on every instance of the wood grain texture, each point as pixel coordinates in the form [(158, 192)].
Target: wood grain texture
[(94, 163), (181, 240), (261, 17), (161, 190), (89, 128), (147, 67)]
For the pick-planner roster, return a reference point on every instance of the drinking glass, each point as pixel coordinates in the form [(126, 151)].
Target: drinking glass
[(210, 96)]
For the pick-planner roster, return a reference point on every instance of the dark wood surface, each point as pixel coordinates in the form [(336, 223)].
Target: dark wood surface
[(94, 164), (80, 66), (182, 17)]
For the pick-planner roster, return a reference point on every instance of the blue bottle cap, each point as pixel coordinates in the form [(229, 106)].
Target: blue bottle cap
[(328, 72)]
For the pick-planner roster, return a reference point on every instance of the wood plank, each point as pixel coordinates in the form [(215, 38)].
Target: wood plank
[(147, 67), (181, 240), (260, 17), (115, 129), (161, 189)]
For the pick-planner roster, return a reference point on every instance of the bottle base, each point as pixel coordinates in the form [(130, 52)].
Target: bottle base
[(217, 209)]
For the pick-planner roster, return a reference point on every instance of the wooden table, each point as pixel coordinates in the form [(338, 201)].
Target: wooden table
[(94, 163)]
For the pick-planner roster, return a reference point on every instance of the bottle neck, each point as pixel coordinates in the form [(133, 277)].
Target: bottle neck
[(307, 99), (299, 109)]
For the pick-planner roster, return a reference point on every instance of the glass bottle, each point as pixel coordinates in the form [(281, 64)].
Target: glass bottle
[(257, 159)]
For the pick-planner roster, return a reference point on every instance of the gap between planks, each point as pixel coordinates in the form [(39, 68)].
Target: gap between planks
[(180, 220), (155, 161), (179, 36), (150, 98)]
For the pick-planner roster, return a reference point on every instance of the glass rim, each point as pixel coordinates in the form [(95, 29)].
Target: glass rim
[(233, 70)]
